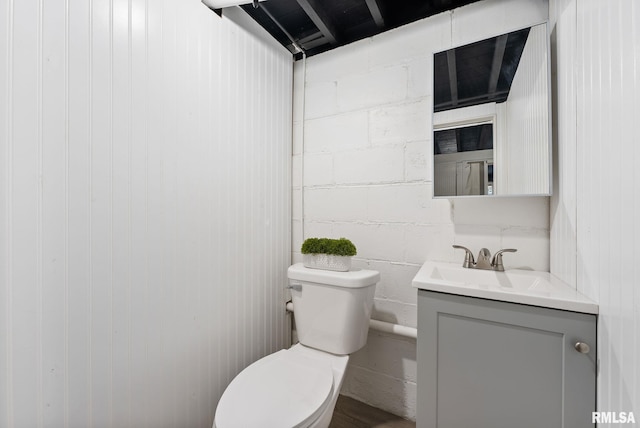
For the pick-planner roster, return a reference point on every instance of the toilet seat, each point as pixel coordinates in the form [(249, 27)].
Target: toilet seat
[(284, 389)]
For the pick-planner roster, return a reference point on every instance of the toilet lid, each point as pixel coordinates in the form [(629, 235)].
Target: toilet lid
[(284, 389)]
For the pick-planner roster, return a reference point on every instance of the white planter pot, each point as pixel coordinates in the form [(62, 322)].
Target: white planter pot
[(327, 262)]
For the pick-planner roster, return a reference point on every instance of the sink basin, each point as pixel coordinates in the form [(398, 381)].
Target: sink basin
[(487, 279), (516, 286)]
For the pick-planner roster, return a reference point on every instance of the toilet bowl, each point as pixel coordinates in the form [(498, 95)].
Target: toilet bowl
[(298, 387)]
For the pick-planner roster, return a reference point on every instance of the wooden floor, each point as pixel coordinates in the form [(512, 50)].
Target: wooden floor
[(350, 413)]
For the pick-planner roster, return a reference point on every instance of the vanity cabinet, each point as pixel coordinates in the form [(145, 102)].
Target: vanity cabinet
[(491, 364)]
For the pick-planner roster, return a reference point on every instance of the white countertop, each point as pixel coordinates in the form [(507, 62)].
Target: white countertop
[(516, 286)]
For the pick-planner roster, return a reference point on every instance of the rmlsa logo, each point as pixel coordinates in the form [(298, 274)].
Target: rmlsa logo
[(613, 417)]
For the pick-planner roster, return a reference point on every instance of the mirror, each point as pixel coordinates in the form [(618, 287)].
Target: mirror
[(491, 120)]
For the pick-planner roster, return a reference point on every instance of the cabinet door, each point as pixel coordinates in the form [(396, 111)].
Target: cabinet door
[(489, 364)]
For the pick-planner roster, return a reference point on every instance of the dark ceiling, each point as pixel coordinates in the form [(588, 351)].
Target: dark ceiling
[(317, 26), (477, 73)]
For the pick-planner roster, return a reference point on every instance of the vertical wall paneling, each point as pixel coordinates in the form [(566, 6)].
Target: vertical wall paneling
[(607, 94), (527, 112), (6, 316), (100, 214), (563, 202), (139, 197), (597, 95), (24, 217), (144, 209), (78, 211)]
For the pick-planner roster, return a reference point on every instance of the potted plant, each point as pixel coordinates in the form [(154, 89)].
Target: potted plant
[(328, 254)]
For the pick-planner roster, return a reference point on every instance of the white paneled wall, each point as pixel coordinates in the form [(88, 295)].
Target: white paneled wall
[(528, 142), (144, 210), (362, 159), (562, 17), (602, 83)]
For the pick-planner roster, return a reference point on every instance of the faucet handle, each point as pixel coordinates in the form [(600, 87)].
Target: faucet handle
[(469, 261), (496, 261)]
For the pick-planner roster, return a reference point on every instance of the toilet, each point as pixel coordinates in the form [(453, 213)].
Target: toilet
[(298, 387)]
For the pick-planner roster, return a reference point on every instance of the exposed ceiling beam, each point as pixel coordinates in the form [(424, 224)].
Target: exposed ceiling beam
[(467, 100), (316, 13), (296, 47), (483, 136), (498, 55), (376, 12), (453, 76), (310, 44), (311, 37)]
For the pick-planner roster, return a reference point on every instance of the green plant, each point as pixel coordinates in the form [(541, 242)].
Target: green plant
[(336, 247)]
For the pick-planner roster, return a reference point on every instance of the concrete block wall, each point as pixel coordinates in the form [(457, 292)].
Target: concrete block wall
[(362, 169)]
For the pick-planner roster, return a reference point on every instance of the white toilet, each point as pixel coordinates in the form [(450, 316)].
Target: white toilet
[(298, 387)]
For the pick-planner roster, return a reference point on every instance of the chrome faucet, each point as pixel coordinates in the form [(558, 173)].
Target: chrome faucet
[(484, 259)]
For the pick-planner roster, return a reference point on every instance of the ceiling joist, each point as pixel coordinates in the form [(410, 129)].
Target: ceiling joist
[(312, 43), (311, 37), (317, 14), (467, 100), (484, 138), (496, 66), (376, 13), (340, 21), (453, 76)]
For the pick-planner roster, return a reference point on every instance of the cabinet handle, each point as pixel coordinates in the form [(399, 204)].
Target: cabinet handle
[(582, 347)]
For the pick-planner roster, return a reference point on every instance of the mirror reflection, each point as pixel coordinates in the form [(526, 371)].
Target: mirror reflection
[(491, 116), (464, 160)]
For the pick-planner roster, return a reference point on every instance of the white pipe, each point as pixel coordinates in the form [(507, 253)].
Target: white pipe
[(385, 327), (304, 112), (397, 329)]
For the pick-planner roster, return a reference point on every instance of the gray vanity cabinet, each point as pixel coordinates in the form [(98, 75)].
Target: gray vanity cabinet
[(491, 364)]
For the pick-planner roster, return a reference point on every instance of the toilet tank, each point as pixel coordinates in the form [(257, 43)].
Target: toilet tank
[(332, 309)]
